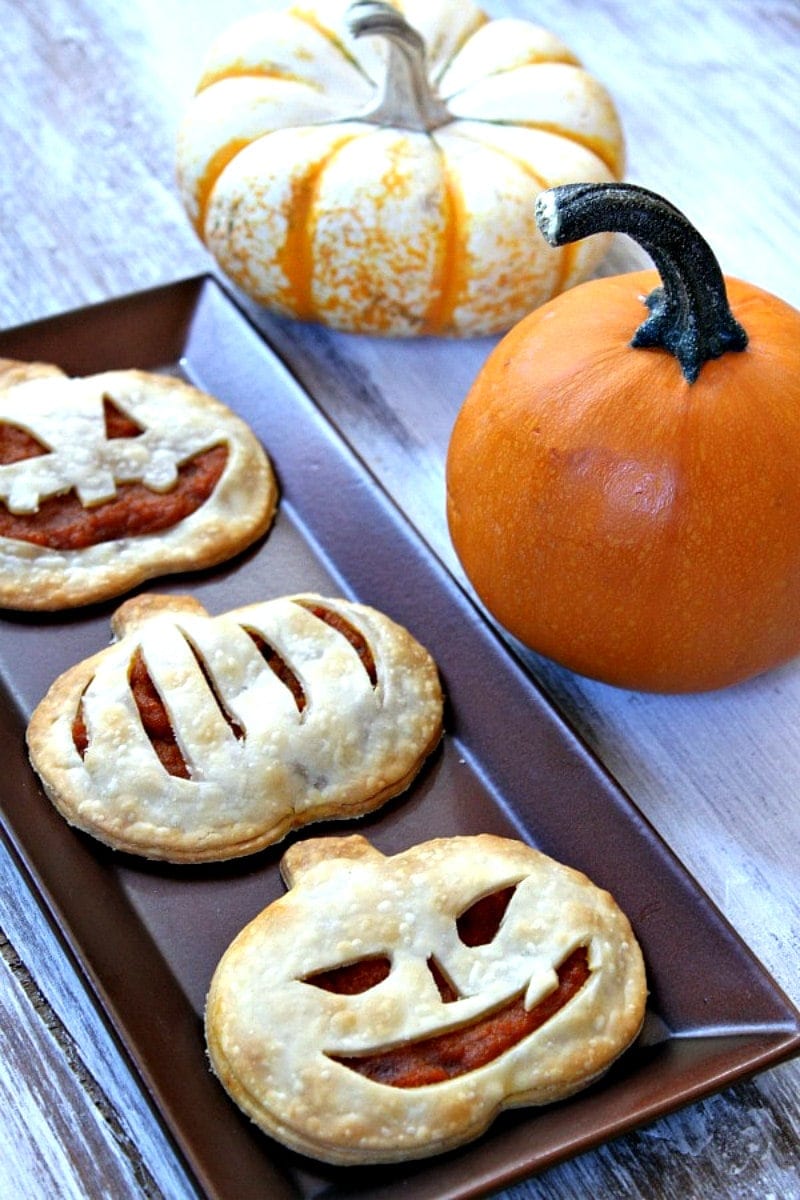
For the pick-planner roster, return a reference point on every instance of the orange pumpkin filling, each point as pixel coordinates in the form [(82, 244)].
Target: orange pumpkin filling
[(280, 668), (448, 1055), (153, 716), (153, 713), (63, 523), (356, 640)]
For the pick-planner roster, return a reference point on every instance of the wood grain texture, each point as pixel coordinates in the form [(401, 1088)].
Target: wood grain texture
[(42, 1102), (92, 94), (73, 1120)]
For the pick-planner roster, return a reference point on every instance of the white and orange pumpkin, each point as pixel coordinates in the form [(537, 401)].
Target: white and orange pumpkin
[(374, 168)]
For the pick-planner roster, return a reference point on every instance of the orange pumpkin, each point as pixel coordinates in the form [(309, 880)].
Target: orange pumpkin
[(631, 508)]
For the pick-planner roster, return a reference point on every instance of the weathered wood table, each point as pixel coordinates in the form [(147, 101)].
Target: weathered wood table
[(92, 94)]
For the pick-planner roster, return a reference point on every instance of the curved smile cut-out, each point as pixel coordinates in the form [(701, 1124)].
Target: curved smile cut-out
[(444, 1056)]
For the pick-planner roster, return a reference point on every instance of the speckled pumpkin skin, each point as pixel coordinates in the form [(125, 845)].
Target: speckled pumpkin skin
[(632, 526), (387, 230)]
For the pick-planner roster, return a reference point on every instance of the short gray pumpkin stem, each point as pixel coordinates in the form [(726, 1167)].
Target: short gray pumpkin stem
[(689, 314), (406, 99)]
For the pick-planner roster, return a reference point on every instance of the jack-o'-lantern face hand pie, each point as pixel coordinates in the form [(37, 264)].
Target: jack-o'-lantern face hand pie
[(195, 738), (388, 1008), (624, 476), (114, 478)]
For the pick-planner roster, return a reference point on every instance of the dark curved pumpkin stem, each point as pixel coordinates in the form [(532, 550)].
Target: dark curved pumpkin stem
[(689, 314), (406, 100)]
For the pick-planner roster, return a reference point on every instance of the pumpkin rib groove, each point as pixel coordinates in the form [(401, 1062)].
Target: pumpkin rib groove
[(252, 72), (481, 19), (565, 59), (499, 46), (524, 96), (448, 281), (295, 257), (330, 36), (595, 146), (214, 168), (470, 129), (569, 253), (469, 136), (592, 145)]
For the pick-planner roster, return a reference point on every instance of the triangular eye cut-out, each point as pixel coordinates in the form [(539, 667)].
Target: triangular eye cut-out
[(17, 444), (351, 979), (478, 924), (118, 423)]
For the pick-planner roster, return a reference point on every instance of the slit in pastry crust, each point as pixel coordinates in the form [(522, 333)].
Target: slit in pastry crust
[(280, 668), (354, 636), (155, 719), (235, 726)]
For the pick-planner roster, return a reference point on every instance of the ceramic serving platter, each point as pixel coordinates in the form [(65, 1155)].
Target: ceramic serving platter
[(146, 937)]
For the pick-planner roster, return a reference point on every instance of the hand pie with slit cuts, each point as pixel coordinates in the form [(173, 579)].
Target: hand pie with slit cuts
[(388, 1008), (195, 738), (114, 478)]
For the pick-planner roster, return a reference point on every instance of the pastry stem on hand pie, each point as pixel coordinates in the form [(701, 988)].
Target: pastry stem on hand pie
[(388, 1008), (195, 738), (112, 479)]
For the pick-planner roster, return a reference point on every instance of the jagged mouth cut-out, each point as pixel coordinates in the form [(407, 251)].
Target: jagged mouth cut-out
[(153, 712), (62, 522), (445, 1056)]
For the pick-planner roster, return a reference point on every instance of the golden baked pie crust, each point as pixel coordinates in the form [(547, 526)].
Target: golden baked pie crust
[(178, 421), (274, 1039), (257, 766)]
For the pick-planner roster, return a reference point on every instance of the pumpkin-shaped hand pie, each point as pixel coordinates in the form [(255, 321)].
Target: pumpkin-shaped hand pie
[(197, 738), (374, 168), (623, 479), (389, 1007), (114, 478)]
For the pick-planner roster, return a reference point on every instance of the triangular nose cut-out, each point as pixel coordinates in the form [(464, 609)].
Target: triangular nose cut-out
[(447, 991), (118, 423)]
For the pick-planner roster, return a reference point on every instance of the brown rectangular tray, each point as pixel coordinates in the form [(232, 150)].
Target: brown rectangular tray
[(147, 937)]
